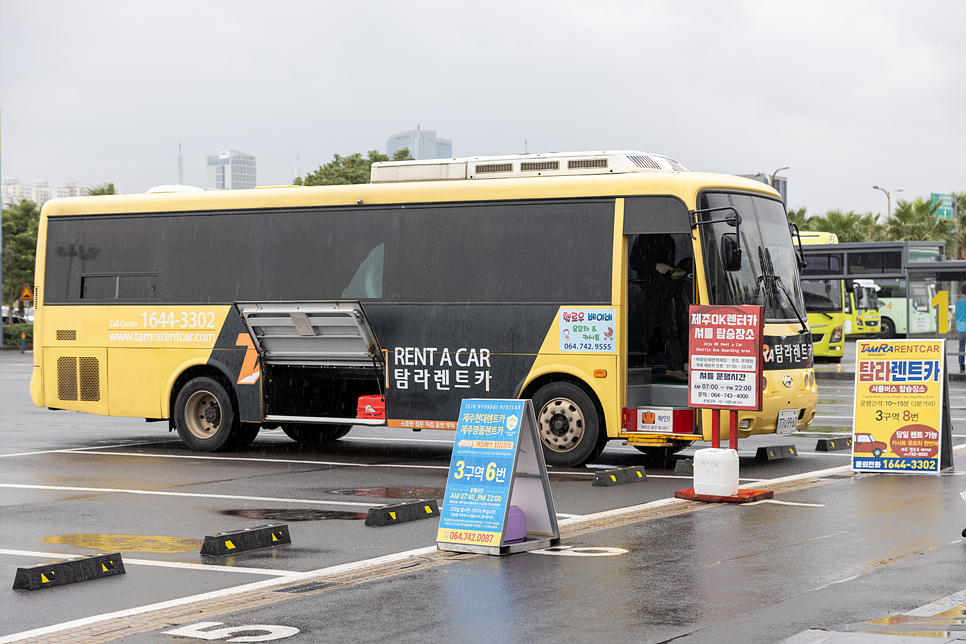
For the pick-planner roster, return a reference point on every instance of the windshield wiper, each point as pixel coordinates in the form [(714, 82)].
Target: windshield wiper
[(774, 282)]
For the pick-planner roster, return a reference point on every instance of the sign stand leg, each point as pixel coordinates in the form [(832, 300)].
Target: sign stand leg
[(733, 430), (715, 428)]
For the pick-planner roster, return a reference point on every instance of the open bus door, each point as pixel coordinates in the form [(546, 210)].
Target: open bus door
[(659, 264)]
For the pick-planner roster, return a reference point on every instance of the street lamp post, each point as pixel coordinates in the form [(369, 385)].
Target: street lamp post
[(888, 194), (775, 173)]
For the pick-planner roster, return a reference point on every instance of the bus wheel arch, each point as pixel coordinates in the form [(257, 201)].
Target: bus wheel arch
[(570, 420), (205, 412)]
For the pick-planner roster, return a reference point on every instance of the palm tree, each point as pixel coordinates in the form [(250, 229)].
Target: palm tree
[(960, 198), (917, 221), (799, 218), (849, 226), (101, 189)]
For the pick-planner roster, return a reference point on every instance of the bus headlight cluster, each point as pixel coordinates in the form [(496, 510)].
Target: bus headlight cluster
[(836, 335)]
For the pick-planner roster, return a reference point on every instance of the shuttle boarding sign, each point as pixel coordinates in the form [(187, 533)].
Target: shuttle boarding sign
[(725, 361), (898, 406)]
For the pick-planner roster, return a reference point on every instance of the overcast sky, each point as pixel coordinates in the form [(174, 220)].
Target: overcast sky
[(847, 93)]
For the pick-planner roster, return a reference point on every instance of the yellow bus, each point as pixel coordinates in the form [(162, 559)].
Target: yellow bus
[(864, 303), (826, 301), (562, 278)]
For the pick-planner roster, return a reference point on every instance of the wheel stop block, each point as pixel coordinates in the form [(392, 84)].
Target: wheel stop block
[(775, 453), (230, 543), (833, 444), (620, 476), (402, 512), (743, 496), (68, 571), (684, 466)]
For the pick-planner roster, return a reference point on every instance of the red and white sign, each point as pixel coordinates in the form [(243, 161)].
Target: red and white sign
[(725, 356)]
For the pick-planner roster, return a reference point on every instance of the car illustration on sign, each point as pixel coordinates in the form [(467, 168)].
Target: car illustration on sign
[(866, 444)]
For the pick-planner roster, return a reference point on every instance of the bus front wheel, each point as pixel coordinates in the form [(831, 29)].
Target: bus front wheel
[(205, 415), (568, 424), (887, 329)]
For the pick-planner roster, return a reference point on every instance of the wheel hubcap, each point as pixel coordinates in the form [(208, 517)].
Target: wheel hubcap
[(561, 424), (202, 414)]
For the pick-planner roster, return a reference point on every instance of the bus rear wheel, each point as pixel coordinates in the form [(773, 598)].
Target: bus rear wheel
[(568, 424), (312, 434), (205, 415)]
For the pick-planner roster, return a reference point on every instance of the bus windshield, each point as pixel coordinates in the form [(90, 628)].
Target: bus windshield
[(769, 265), (823, 296), (865, 298)]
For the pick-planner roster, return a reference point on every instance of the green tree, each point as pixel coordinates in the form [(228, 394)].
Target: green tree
[(20, 224), (349, 170), (101, 189), (917, 221), (799, 218), (960, 198), (849, 226)]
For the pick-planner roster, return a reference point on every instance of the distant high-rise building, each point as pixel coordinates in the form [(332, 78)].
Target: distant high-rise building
[(422, 144), (231, 170), (13, 191)]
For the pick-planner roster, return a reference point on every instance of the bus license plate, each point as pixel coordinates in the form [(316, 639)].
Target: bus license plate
[(787, 421)]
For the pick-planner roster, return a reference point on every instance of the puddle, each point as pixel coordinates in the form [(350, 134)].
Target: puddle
[(298, 514), (127, 542), (395, 492)]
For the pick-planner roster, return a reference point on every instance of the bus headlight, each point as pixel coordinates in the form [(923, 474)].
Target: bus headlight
[(836, 335)]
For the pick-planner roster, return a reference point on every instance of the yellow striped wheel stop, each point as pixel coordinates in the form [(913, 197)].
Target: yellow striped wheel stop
[(229, 543), (68, 571), (402, 512), (833, 444), (607, 478), (775, 453)]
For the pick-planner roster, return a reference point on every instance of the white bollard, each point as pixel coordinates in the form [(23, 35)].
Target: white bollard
[(716, 472)]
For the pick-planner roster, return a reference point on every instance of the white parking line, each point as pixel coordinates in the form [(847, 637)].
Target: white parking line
[(203, 457), (235, 497), (227, 592), (60, 556)]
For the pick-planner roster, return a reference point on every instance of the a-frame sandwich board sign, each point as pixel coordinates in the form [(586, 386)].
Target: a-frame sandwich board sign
[(497, 465)]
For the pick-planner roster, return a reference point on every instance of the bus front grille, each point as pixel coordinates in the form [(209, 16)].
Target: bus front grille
[(73, 371)]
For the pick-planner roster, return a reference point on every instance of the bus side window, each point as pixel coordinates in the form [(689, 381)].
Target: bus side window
[(367, 282)]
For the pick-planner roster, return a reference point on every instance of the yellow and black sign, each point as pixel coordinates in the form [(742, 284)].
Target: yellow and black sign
[(26, 295)]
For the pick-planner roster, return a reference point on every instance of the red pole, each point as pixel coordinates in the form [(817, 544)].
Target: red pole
[(715, 428), (733, 430)]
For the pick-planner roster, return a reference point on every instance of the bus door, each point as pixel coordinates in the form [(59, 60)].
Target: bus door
[(660, 288), (320, 360)]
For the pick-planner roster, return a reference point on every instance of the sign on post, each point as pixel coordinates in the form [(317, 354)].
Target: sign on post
[(725, 356), (497, 471), (901, 420)]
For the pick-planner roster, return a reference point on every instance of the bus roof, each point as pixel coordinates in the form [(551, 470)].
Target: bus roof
[(555, 164), (816, 237), (524, 184)]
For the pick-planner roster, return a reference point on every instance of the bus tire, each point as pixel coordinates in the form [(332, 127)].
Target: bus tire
[(568, 424), (661, 454), (887, 329), (205, 415), (313, 434), (244, 435)]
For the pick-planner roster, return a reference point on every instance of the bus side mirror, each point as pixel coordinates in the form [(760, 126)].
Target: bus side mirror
[(730, 252)]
